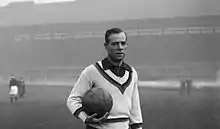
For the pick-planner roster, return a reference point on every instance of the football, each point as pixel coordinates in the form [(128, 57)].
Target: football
[(97, 100)]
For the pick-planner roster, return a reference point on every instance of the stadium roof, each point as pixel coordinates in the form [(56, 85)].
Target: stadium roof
[(28, 12)]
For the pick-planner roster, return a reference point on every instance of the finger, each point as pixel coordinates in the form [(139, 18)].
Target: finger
[(93, 115), (105, 116), (91, 119)]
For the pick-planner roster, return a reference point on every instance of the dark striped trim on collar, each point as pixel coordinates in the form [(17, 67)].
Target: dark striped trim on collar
[(121, 87), (107, 65)]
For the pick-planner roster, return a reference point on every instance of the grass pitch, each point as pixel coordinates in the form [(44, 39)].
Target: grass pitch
[(44, 107)]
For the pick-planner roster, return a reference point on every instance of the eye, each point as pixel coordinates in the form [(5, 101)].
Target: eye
[(123, 43), (117, 43), (114, 43)]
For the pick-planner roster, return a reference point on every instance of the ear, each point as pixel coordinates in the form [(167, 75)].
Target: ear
[(105, 45)]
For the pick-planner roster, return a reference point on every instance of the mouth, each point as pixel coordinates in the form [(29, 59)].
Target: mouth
[(120, 54)]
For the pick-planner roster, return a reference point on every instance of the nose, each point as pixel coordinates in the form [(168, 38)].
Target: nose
[(121, 46)]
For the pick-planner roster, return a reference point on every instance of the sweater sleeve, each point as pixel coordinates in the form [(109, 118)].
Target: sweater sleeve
[(136, 120), (74, 101)]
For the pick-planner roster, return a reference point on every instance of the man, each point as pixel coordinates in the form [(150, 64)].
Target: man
[(182, 86), (13, 88), (21, 87), (115, 76), (188, 85)]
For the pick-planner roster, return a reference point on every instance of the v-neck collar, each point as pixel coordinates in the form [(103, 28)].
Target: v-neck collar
[(121, 87)]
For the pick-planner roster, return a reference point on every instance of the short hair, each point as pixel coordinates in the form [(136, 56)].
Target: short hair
[(113, 31)]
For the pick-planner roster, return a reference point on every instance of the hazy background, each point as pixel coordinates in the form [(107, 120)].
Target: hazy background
[(23, 13), (168, 39)]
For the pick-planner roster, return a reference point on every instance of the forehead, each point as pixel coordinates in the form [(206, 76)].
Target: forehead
[(117, 37)]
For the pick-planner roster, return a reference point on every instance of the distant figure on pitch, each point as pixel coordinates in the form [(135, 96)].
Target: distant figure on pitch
[(13, 88), (21, 87), (182, 86), (189, 85), (186, 85)]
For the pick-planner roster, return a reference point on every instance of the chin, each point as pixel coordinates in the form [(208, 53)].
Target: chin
[(120, 58), (117, 58)]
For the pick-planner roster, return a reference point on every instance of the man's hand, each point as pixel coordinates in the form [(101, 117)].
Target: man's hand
[(92, 120)]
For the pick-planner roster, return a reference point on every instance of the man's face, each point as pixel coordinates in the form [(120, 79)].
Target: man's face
[(116, 46)]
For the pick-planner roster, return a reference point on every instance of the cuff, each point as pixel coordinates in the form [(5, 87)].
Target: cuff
[(136, 126), (82, 115)]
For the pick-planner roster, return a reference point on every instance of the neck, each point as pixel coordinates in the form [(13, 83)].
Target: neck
[(115, 62)]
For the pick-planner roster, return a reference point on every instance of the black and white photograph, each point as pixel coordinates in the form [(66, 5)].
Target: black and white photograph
[(109, 64)]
